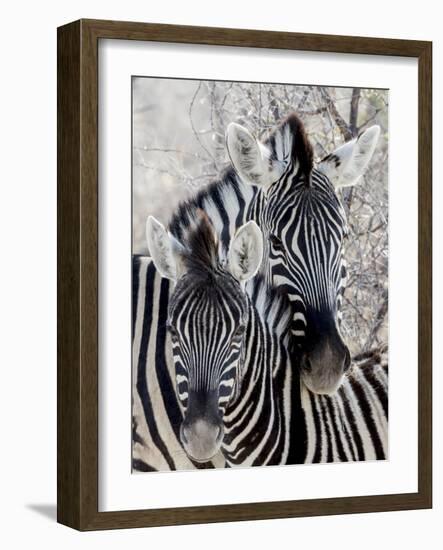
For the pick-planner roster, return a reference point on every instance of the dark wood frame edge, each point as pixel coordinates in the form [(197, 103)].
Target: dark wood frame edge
[(77, 204)]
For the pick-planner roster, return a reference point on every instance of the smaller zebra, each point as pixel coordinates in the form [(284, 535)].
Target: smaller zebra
[(231, 355), (235, 375)]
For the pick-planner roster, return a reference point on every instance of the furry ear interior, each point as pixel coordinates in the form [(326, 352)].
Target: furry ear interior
[(347, 164), (165, 250), (246, 251), (251, 159)]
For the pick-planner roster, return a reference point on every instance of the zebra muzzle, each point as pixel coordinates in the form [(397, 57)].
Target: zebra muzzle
[(201, 439)]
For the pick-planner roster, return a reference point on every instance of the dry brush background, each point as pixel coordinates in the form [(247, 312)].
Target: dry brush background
[(179, 146)]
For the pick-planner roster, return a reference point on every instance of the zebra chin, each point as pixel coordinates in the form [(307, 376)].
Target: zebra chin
[(201, 439)]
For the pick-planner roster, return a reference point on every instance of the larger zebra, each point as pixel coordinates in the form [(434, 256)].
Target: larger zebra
[(234, 373), (295, 203)]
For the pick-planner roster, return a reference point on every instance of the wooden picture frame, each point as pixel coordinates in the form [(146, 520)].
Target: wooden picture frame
[(78, 274)]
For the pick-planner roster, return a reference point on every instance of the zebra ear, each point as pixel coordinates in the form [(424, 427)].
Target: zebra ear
[(165, 250), (246, 251), (347, 164), (251, 159)]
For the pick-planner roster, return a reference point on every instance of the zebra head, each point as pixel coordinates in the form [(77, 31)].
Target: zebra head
[(208, 314), (304, 226)]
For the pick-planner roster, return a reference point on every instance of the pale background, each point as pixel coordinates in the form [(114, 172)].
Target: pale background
[(29, 262)]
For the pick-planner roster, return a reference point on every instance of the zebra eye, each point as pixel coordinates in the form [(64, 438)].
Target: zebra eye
[(276, 243), (240, 330), (172, 330)]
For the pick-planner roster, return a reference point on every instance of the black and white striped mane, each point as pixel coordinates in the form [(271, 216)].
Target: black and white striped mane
[(200, 247), (217, 193), (292, 130), (288, 143)]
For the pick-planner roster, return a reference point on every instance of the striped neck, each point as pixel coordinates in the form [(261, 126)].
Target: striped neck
[(225, 201), (257, 421)]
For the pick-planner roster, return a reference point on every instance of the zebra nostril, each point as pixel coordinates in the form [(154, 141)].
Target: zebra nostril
[(306, 363)]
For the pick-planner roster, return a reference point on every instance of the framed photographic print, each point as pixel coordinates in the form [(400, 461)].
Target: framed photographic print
[(244, 275)]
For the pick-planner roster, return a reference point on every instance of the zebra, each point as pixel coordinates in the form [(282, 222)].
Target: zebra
[(235, 380), (156, 410)]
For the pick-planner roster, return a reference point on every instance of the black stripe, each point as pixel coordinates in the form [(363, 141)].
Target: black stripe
[(378, 387), (218, 201), (347, 434), (142, 382), (135, 284), (317, 453), (141, 466), (241, 204), (370, 422), (298, 432), (341, 452), (265, 416), (321, 400), (354, 428)]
